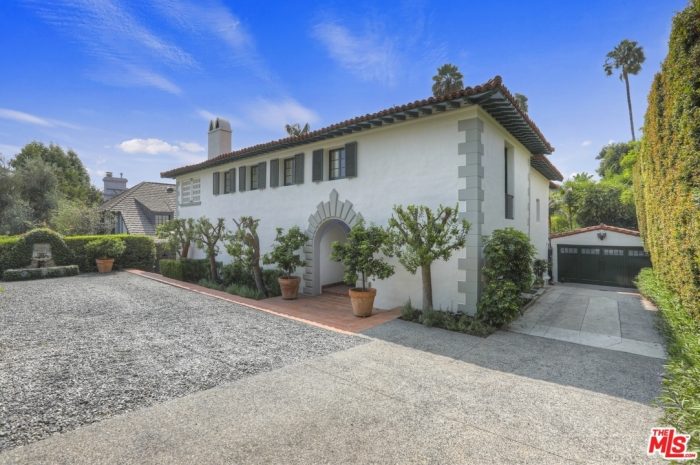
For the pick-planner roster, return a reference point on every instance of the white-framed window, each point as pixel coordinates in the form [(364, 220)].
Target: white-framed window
[(254, 177), (289, 171), (336, 158), (537, 207), (190, 191)]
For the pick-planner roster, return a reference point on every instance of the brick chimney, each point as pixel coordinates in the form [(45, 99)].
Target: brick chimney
[(113, 186), (219, 137)]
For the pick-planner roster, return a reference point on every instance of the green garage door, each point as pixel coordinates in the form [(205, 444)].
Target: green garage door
[(605, 265)]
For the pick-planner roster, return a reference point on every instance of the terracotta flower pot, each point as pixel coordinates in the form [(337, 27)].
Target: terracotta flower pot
[(289, 287), (104, 265), (362, 301)]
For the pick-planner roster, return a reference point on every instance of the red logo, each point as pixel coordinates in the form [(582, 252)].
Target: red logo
[(669, 444)]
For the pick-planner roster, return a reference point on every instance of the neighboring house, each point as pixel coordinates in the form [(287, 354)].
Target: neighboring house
[(605, 255), (142, 208), (474, 148)]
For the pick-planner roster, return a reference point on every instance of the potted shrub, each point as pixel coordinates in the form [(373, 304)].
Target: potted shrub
[(358, 255), (105, 251), (284, 255)]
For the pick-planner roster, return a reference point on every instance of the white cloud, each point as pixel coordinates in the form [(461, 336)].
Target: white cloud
[(369, 56), (586, 143), (205, 114), (213, 20), (124, 49), (22, 117), (271, 114), (153, 146)]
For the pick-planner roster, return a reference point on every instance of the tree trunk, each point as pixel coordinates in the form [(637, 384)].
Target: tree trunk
[(427, 287), (629, 104), (212, 268), (185, 250), (259, 283)]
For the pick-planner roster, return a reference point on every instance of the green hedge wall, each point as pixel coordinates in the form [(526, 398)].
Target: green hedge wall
[(667, 173), (16, 251), (140, 252), (185, 269)]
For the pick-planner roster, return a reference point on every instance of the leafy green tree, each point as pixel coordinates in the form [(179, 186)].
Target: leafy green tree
[(38, 186), (244, 245), (611, 156), (208, 236), (522, 101), (600, 203), (447, 80), (73, 217), (284, 251), (358, 254), (627, 57), (296, 129), (418, 236), (179, 233), (73, 179)]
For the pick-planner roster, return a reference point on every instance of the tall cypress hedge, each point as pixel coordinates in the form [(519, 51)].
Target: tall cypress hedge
[(667, 174)]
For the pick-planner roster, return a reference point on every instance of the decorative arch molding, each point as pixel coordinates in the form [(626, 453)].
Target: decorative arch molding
[(332, 210)]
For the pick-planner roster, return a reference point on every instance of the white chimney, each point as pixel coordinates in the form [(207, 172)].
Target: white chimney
[(219, 137), (113, 186)]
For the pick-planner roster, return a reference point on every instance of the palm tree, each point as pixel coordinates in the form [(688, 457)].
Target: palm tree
[(628, 57), (296, 130), (522, 101), (447, 80)]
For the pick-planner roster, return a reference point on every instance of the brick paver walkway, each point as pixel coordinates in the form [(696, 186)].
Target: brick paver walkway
[(329, 310)]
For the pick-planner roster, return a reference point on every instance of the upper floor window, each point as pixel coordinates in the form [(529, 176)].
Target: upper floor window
[(190, 191), (337, 163), (508, 184), (160, 218), (537, 211), (228, 181), (289, 171), (254, 181)]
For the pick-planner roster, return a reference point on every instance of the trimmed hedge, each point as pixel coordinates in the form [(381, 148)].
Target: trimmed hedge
[(680, 393), (16, 251), (140, 251), (185, 269), (25, 274), (667, 172)]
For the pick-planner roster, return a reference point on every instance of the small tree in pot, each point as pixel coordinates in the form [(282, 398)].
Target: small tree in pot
[(284, 255), (105, 251), (358, 255)]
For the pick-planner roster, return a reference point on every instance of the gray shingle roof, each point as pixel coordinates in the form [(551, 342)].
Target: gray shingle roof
[(139, 205)]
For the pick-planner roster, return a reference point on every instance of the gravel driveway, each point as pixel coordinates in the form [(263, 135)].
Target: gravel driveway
[(76, 350)]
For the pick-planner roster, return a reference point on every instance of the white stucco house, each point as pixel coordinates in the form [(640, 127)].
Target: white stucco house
[(474, 148)]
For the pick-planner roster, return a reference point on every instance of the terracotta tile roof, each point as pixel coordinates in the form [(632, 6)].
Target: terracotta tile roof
[(600, 227), (139, 204), (492, 96)]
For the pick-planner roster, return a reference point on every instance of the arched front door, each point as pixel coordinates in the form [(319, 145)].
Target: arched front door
[(330, 222)]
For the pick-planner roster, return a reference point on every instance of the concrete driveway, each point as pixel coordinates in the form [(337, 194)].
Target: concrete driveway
[(599, 316), (402, 394)]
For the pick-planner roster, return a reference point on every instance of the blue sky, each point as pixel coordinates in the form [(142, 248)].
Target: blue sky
[(130, 85)]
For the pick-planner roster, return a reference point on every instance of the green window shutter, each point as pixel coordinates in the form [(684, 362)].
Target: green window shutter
[(232, 180), (317, 171), (241, 178), (299, 168), (215, 182), (261, 174), (274, 172), (351, 159)]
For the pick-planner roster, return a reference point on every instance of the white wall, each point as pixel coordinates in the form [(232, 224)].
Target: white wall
[(539, 230), (411, 162), (330, 271), (612, 238)]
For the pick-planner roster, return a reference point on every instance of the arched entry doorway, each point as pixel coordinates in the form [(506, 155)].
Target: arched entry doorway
[(330, 222)]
